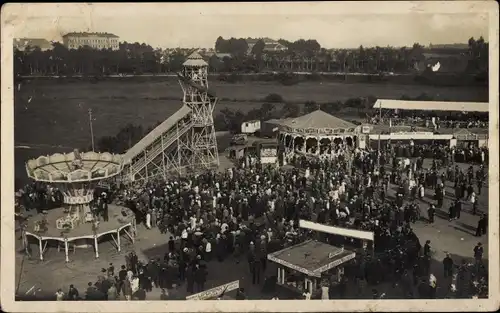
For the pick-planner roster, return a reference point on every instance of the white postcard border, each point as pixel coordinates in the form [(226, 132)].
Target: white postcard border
[(12, 16)]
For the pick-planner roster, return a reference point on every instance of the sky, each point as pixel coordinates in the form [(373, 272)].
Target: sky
[(199, 25)]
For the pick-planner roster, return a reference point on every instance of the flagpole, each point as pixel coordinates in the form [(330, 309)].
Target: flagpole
[(380, 121), (91, 128)]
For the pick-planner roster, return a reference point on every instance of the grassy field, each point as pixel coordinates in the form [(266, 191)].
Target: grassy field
[(57, 113), (54, 113)]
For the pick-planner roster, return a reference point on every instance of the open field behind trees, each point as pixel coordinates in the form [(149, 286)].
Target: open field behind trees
[(57, 113), (54, 113)]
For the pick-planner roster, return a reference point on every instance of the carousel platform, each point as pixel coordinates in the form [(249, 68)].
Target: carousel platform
[(76, 233), (81, 229)]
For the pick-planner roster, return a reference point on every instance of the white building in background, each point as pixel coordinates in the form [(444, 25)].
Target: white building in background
[(250, 127), (94, 40), (270, 45), (274, 47)]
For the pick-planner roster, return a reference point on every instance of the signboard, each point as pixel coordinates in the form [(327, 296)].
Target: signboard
[(268, 152), (409, 136), (418, 134), (365, 129), (335, 263), (268, 160), (272, 258), (331, 255), (366, 235), (215, 292)]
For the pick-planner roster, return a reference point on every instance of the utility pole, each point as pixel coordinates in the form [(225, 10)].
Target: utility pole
[(380, 121), (91, 129)]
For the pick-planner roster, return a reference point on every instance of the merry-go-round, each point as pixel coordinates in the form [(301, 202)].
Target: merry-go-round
[(77, 224), (317, 133)]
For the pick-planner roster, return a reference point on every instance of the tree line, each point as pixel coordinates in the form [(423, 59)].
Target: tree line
[(301, 55)]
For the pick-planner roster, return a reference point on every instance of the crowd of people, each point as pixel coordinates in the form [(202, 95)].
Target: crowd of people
[(251, 210), (441, 152)]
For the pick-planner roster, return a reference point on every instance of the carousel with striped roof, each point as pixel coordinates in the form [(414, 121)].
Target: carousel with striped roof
[(317, 133)]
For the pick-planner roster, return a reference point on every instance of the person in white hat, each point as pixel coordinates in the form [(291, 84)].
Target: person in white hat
[(184, 234), (208, 251), (192, 221), (269, 234)]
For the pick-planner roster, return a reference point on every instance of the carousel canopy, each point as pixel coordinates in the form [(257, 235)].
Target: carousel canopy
[(74, 167), (317, 119), (311, 257)]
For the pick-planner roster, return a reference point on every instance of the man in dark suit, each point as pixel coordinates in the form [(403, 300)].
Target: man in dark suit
[(171, 244), (256, 268), (482, 225), (448, 266), (451, 212), (478, 252), (458, 209), (427, 256), (104, 210), (431, 212)]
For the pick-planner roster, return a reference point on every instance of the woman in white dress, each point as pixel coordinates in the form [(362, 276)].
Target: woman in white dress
[(148, 219), (192, 221), (307, 173), (135, 284), (60, 295), (325, 291), (473, 197), (421, 191)]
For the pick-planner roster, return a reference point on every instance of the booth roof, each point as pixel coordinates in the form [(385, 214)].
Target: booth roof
[(237, 147), (432, 105), (310, 257), (317, 119)]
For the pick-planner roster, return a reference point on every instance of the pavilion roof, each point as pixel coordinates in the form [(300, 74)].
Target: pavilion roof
[(311, 257), (195, 59), (317, 119)]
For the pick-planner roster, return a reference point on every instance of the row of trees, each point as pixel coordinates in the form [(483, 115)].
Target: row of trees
[(130, 58), (479, 54), (240, 46), (301, 55), (236, 47), (273, 107)]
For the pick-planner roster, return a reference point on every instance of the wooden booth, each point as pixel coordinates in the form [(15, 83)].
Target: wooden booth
[(237, 152), (302, 267), (267, 151)]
